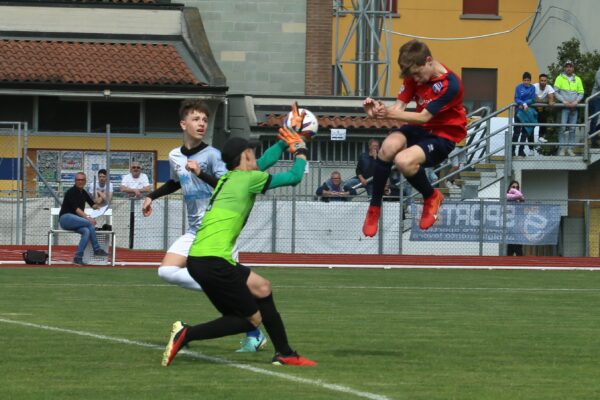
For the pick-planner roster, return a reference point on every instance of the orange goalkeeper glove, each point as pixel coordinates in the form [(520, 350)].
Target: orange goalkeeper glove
[(296, 119), (293, 140)]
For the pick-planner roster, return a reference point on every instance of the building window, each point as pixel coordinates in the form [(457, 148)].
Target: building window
[(480, 86), (162, 116), (62, 115), (16, 109), (123, 117), (391, 5), (480, 9)]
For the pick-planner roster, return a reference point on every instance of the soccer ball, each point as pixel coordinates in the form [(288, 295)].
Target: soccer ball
[(310, 123)]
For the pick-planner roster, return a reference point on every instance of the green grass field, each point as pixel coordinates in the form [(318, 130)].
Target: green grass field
[(96, 333)]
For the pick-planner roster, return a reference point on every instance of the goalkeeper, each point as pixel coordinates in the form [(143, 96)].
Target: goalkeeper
[(243, 297)]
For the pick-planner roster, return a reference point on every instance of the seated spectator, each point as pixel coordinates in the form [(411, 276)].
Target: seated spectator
[(102, 190), (72, 217), (365, 167), (391, 192), (333, 189), (135, 184)]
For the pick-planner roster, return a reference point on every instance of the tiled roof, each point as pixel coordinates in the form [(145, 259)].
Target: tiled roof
[(338, 121), (92, 63)]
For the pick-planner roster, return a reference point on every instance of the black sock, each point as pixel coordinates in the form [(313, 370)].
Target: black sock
[(274, 325), (381, 173), (420, 182), (224, 326)]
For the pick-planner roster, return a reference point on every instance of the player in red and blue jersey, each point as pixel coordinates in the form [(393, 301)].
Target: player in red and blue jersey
[(430, 134)]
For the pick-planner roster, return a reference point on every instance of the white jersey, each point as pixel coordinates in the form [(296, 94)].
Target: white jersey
[(542, 94), (99, 188), (196, 192), (135, 183)]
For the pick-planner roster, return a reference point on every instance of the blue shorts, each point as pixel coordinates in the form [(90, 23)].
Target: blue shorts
[(436, 148)]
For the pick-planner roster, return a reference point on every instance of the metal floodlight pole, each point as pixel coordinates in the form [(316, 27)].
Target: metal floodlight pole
[(365, 29)]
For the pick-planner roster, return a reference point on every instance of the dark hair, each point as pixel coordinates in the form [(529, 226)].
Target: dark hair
[(512, 183), (102, 171), (543, 76), (526, 75), (190, 105), (412, 53)]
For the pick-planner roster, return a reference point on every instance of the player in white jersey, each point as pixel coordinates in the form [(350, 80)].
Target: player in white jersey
[(195, 169)]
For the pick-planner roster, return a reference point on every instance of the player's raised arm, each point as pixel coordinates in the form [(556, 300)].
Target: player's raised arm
[(297, 147)]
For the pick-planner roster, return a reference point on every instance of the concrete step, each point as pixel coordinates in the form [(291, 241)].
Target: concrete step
[(486, 167), (470, 175)]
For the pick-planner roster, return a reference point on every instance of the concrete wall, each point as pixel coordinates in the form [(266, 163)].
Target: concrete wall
[(259, 45)]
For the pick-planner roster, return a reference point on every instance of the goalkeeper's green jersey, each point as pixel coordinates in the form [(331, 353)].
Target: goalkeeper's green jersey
[(226, 215)]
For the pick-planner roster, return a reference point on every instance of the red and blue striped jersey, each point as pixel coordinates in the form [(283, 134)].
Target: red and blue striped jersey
[(442, 96)]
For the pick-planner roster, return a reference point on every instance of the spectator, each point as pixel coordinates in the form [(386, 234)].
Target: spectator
[(514, 194), (73, 218), (365, 168), (101, 190), (136, 182), (544, 93), (524, 97), (334, 190), (569, 91), (594, 108)]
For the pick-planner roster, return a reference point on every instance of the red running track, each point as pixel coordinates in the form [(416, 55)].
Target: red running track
[(141, 258)]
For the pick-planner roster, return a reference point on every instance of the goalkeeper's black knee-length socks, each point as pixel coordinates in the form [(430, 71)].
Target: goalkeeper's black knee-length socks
[(274, 325), (224, 326)]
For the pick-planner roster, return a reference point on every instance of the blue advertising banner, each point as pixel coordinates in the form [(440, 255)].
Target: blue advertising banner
[(526, 223)]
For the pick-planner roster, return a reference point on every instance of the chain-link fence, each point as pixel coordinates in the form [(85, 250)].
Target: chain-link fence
[(475, 218), (301, 224)]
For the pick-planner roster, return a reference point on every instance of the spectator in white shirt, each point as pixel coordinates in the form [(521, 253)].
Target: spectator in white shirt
[(544, 93), (101, 190), (135, 184)]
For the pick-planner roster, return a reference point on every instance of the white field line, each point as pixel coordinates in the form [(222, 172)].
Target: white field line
[(217, 360), (316, 287), (360, 266), (387, 266)]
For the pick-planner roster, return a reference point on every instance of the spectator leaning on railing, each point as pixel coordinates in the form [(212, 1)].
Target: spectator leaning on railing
[(569, 91), (544, 93), (333, 189), (524, 97)]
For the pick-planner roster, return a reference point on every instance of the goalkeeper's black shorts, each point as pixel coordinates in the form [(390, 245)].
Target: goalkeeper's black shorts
[(224, 284)]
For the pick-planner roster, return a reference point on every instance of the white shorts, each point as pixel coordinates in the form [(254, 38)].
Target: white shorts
[(182, 246)]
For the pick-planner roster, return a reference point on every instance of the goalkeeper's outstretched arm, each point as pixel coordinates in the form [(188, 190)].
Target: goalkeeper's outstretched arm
[(292, 177), (271, 155)]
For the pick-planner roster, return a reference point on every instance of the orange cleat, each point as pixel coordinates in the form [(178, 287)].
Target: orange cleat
[(431, 206), (371, 221), (293, 359)]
